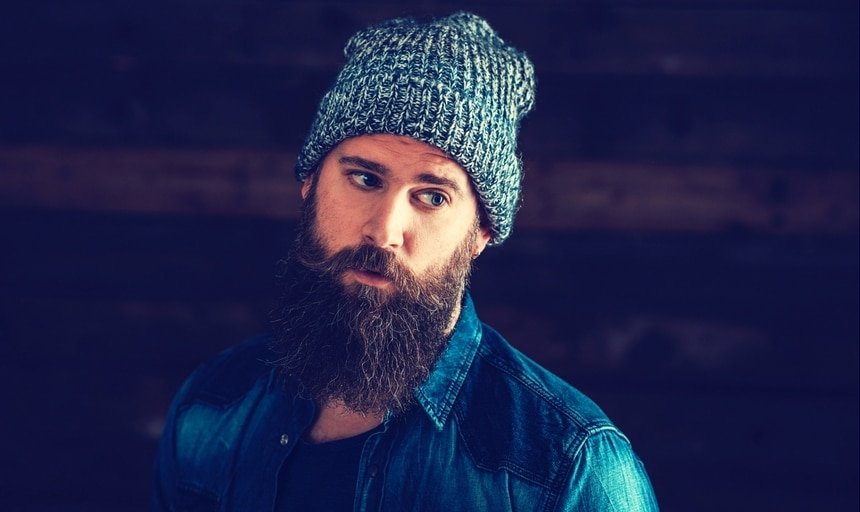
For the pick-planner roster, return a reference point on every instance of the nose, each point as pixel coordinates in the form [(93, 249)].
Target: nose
[(387, 223)]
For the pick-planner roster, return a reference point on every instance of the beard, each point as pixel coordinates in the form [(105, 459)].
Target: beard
[(364, 347)]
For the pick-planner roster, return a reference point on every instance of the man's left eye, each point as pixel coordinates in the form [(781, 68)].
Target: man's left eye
[(434, 199)]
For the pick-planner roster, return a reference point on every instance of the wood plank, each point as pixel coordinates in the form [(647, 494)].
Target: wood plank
[(775, 122), (616, 80), (644, 351), (643, 197), (751, 38), (196, 182), (745, 122), (567, 195)]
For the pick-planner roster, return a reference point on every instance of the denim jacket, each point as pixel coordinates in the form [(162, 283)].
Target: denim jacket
[(491, 431)]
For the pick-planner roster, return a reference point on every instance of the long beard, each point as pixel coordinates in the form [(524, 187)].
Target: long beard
[(358, 345)]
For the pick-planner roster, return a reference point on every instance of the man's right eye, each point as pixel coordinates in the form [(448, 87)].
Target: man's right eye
[(365, 179)]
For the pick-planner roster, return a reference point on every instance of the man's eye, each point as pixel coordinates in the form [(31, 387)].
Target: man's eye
[(434, 199), (365, 179)]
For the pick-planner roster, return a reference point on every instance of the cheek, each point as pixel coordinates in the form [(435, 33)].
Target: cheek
[(435, 246), (337, 224)]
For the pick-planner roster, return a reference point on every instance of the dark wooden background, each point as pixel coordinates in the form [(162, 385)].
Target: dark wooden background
[(687, 252)]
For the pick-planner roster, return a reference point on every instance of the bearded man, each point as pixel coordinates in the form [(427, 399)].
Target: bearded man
[(378, 387)]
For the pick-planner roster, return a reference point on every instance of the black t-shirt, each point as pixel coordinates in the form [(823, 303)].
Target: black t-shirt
[(321, 477)]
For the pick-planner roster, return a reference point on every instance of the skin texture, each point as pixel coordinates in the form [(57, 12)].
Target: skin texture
[(411, 199), (403, 196)]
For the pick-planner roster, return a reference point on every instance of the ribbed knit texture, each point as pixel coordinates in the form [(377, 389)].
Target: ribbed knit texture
[(452, 83)]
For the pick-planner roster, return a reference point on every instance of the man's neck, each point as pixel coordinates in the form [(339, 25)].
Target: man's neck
[(335, 422)]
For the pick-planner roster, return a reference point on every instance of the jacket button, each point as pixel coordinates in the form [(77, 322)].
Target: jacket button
[(372, 470), (284, 439)]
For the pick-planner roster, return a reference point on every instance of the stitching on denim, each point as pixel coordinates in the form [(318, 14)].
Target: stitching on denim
[(506, 465), (553, 400), (569, 457), (451, 394), (202, 397), (564, 473), (199, 491)]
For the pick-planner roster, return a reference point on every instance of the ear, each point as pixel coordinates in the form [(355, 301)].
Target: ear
[(482, 238), (306, 186)]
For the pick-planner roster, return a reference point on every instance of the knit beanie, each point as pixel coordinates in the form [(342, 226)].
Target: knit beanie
[(452, 83)]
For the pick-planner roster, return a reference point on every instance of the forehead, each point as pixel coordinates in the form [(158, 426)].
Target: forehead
[(403, 157)]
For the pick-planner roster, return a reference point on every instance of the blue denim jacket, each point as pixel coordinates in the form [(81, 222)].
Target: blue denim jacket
[(492, 431)]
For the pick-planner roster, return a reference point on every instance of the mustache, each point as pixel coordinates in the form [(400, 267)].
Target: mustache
[(364, 257)]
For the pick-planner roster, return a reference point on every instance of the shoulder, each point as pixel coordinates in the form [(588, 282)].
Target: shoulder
[(228, 376), (515, 415), (504, 382), (206, 420), (218, 400), (607, 476)]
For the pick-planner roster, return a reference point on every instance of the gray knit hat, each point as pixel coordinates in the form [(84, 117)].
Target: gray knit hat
[(452, 83)]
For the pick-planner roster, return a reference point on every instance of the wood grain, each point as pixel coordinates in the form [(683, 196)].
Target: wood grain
[(566, 195)]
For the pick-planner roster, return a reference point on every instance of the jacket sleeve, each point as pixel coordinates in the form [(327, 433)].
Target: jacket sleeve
[(607, 476), (192, 470), (174, 486), (165, 474)]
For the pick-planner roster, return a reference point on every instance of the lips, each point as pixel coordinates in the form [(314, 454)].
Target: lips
[(369, 277)]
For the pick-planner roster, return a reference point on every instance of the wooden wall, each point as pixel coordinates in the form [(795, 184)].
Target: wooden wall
[(687, 250)]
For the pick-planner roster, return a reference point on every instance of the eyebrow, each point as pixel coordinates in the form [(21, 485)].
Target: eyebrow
[(441, 181), (382, 170), (365, 164)]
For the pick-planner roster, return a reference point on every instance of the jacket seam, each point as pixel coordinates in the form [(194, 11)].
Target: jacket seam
[(450, 396), (570, 456), (511, 468), (550, 399)]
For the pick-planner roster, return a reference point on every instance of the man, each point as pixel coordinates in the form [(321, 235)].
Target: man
[(379, 388)]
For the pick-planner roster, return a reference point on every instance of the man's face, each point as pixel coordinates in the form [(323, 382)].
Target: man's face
[(374, 281), (400, 195)]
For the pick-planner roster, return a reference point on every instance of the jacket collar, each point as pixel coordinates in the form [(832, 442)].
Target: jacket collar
[(437, 394)]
